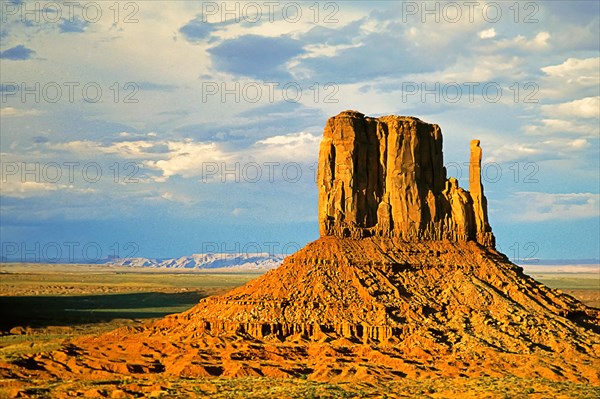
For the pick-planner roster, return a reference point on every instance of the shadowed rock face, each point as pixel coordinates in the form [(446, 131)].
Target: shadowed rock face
[(386, 177)]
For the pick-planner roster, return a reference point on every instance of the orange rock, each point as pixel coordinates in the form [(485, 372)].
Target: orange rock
[(386, 177), (404, 282), (119, 394), (93, 393)]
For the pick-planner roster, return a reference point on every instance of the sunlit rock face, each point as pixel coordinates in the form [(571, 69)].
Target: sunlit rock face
[(386, 177)]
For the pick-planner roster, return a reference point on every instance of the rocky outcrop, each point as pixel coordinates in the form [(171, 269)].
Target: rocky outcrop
[(386, 177), (378, 289), (401, 309), (404, 282)]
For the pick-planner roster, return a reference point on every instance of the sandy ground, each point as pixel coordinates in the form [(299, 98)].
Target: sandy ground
[(48, 289)]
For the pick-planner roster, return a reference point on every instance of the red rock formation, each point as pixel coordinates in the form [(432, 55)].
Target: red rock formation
[(386, 177), (404, 250), (376, 289), (404, 280)]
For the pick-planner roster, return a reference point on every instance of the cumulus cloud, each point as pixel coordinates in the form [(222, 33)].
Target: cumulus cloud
[(125, 149), (488, 68), (588, 107), (574, 78), (575, 144), (17, 112), (557, 147), (575, 69), (298, 146), (514, 151), (541, 207), (187, 158), (190, 158), (487, 34), (521, 43), (194, 159), (16, 188), (555, 127)]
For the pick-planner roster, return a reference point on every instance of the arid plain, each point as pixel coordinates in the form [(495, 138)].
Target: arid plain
[(44, 306)]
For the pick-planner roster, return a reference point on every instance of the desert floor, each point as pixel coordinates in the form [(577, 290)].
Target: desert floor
[(41, 306)]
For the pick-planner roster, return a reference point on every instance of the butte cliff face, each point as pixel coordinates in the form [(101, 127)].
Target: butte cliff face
[(405, 281), (386, 177)]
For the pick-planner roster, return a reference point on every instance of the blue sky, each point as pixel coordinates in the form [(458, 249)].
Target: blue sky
[(161, 128)]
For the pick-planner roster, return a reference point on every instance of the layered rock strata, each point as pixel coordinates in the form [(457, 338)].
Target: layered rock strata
[(386, 177)]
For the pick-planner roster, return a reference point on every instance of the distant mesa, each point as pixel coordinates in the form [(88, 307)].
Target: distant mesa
[(208, 261), (386, 177)]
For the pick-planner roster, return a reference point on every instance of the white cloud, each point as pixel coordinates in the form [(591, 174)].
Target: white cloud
[(566, 144), (513, 151), (588, 107), (485, 68), (541, 207), (326, 50), (178, 198), (551, 126), (541, 39), (537, 150), (575, 127), (124, 149), (574, 78), (187, 158), (298, 147), (487, 34), (539, 42), (27, 189), (575, 69), (580, 143), (16, 112)]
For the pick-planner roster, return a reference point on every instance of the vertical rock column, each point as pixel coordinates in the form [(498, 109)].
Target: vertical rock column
[(483, 231), (342, 173)]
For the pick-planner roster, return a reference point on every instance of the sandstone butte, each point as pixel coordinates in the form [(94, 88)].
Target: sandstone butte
[(405, 281)]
